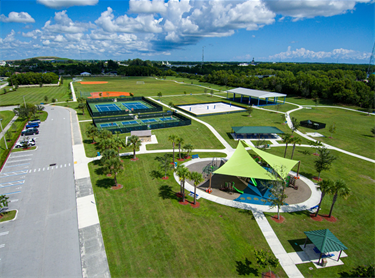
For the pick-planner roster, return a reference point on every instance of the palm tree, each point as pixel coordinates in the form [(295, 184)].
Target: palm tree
[(325, 186), (324, 161), (197, 178), (135, 142), (118, 143), (295, 124), (188, 148), (173, 139), (295, 141), (105, 144), (249, 110), (179, 141), (183, 173), (92, 132), (316, 145), (105, 134), (339, 189), (115, 167), (80, 100), (286, 139), (164, 163)]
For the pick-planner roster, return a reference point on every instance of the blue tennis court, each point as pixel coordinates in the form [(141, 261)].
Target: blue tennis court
[(166, 119), (108, 125), (129, 123), (107, 107), (149, 121), (134, 105)]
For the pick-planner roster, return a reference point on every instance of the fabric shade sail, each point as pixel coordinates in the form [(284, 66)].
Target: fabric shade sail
[(241, 164)]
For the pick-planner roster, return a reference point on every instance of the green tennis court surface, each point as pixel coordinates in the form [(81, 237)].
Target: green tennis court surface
[(138, 122), (118, 106)]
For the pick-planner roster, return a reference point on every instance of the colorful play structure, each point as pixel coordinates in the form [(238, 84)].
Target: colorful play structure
[(257, 176)]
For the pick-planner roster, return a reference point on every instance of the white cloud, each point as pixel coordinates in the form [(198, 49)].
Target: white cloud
[(21, 17), (32, 34), (299, 9), (57, 4), (145, 6), (65, 25), (305, 54)]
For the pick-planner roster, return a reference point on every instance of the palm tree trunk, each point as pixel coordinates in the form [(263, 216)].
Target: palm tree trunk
[(321, 200), (183, 191), (195, 195), (294, 147), (278, 212), (115, 178), (179, 151), (319, 176), (173, 152), (134, 154), (286, 147), (333, 203)]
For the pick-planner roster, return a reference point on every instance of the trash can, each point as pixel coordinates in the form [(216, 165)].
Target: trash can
[(98, 153)]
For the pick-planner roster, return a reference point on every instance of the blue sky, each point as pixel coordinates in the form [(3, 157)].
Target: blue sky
[(267, 30)]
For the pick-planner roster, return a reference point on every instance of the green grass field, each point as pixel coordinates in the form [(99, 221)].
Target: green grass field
[(355, 215), (35, 95), (148, 234), (6, 117), (353, 130)]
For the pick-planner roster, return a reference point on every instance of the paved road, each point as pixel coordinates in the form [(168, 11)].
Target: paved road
[(44, 240)]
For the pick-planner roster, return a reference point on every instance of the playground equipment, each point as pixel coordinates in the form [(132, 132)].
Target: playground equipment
[(254, 181), (208, 170)]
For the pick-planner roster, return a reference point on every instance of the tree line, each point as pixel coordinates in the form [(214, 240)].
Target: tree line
[(32, 78)]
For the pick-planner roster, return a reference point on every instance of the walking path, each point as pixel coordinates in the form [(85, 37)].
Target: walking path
[(5, 129)]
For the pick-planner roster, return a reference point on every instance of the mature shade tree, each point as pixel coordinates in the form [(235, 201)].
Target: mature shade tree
[(106, 143), (324, 186), (172, 138), (179, 141), (92, 132), (134, 142), (339, 189), (324, 161), (286, 139), (197, 178), (183, 173)]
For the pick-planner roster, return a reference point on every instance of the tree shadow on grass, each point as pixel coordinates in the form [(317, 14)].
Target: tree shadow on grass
[(295, 243), (105, 183), (244, 268), (166, 192), (307, 175), (101, 171)]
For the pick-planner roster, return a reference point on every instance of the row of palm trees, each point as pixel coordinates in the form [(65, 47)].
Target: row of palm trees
[(175, 140), (336, 188), (184, 174)]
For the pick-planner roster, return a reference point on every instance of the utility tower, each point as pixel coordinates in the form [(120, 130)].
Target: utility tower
[(370, 68)]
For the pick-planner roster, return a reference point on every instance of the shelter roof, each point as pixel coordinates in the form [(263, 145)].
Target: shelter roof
[(281, 165), (255, 129), (325, 241), (255, 93), (241, 164), (141, 133)]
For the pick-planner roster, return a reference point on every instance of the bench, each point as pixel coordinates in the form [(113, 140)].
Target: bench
[(194, 156)]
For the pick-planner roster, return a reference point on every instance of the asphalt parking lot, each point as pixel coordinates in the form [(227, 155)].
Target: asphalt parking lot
[(44, 240)]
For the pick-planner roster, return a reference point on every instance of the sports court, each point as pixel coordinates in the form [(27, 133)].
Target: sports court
[(211, 108), (132, 106), (139, 122)]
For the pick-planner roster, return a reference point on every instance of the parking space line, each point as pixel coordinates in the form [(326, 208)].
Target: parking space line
[(2, 245), (17, 165), (47, 168), (18, 160), (34, 170), (13, 201), (30, 171), (64, 165), (11, 183), (10, 193), (19, 155), (44, 168), (4, 233), (15, 173), (39, 170)]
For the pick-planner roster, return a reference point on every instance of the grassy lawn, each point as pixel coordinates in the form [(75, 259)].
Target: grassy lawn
[(196, 134), (148, 234), (35, 95), (6, 117), (356, 219), (223, 123), (8, 215), (21, 149), (353, 130), (307, 101)]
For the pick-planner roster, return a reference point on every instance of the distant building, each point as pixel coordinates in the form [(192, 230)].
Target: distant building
[(3, 63), (85, 74), (243, 65)]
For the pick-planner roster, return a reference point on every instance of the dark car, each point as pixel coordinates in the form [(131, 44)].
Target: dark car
[(32, 124), (30, 131)]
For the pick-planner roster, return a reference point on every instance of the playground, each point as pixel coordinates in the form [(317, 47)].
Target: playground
[(205, 109)]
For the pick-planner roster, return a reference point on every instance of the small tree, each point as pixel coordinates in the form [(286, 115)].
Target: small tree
[(171, 104), (115, 167), (316, 100), (82, 106), (249, 110), (172, 138), (340, 189), (179, 141), (188, 148), (183, 173), (332, 129), (185, 93), (324, 186), (45, 98), (205, 90), (295, 124), (80, 100), (197, 178), (324, 161), (282, 116), (39, 108), (53, 100), (160, 94), (165, 163), (105, 144), (265, 259), (212, 93), (286, 139), (134, 142), (5, 91), (295, 140), (278, 106), (92, 132), (316, 145)]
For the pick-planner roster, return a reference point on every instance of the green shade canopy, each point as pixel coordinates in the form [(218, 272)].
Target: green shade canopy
[(241, 164), (281, 165), (256, 129), (325, 241)]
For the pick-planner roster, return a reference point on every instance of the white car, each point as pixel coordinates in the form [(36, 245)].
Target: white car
[(29, 141)]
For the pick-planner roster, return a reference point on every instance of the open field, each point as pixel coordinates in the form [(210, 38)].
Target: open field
[(353, 130), (151, 87), (148, 234), (6, 117), (35, 95), (355, 215)]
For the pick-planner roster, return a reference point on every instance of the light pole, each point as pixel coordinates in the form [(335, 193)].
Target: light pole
[(5, 141), (24, 101)]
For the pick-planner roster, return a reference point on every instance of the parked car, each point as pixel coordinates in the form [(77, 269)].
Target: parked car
[(30, 124), (30, 131), (35, 121), (29, 142)]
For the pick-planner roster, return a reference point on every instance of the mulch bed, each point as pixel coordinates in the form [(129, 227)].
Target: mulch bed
[(132, 159), (317, 179), (165, 178), (269, 274), (331, 219), (281, 220), (1, 216), (180, 159), (187, 157), (318, 218), (316, 154), (109, 175), (197, 205), (119, 186)]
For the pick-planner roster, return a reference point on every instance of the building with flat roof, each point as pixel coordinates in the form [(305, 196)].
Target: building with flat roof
[(255, 97)]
